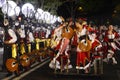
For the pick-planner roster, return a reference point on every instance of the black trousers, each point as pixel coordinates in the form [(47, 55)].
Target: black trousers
[(7, 53)]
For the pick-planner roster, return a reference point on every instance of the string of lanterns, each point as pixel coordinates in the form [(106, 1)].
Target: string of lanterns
[(11, 9)]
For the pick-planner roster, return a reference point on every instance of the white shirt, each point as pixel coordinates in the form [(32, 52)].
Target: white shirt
[(13, 35), (83, 32), (31, 38), (22, 33), (111, 36)]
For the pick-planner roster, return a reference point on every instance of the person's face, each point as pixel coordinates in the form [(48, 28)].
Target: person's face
[(110, 27), (77, 24), (101, 27)]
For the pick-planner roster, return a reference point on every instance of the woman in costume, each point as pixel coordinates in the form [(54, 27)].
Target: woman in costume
[(83, 47), (55, 45), (112, 39), (67, 34)]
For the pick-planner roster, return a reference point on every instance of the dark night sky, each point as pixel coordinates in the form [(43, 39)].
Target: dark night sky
[(90, 7)]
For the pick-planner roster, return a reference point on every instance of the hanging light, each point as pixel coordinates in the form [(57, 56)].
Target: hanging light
[(2, 2), (40, 10), (8, 8), (54, 19), (28, 9), (45, 17), (40, 13), (37, 15), (17, 10)]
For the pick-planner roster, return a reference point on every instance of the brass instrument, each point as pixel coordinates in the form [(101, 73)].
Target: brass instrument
[(85, 47), (68, 32)]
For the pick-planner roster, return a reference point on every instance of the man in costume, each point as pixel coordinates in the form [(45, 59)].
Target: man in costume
[(30, 40), (21, 35), (10, 47)]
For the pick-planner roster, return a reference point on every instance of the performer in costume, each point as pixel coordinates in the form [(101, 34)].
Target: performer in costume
[(100, 33), (30, 40), (111, 37), (21, 34), (25, 58), (67, 34), (56, 36), (37, 37), (10, 47), (83, 47), (96, 57), (96, 45), (56, 39)]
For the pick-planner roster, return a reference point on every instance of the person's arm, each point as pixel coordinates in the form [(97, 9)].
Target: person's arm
[(13, 35), (60, 27)]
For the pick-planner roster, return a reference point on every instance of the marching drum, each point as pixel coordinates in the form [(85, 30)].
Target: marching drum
[(12, 64), (24, 60)]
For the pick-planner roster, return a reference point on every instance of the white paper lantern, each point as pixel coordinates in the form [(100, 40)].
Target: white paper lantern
[(40, 10), (17, 10), (46, 17), (2, 2), (37, 15), (28, 9), (54, 19), (8, 8)]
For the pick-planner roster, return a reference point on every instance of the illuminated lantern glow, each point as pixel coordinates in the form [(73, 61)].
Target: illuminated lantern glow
[(37, 15), (54, 19), (28, 9), (2, 2), (40, 11), (17, 10), (8, 8), (46, 17)]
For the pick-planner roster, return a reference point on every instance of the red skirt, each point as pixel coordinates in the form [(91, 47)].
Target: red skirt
[(82, 57)]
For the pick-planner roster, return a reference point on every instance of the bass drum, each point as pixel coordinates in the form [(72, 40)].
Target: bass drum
[(24, 60), (12, 65)]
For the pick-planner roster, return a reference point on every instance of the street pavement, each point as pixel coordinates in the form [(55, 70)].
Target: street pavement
[(111, 72)]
